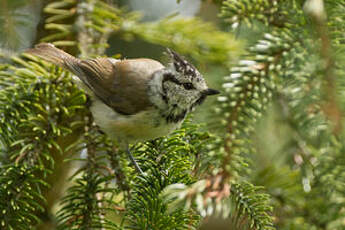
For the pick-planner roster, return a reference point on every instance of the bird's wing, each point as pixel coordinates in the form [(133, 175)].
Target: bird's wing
[(122, 85)]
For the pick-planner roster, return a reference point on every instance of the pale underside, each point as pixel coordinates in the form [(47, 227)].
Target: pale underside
[(126, 129)]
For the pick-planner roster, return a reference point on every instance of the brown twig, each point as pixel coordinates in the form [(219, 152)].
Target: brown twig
[(331, 106)]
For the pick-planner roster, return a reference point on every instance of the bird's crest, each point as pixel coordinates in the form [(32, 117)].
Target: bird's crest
[(181, 65)]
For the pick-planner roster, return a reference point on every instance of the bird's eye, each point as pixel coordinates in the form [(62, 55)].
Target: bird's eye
[(188, 86)]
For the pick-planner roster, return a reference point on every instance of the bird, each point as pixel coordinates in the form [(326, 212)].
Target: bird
[(137, 99)]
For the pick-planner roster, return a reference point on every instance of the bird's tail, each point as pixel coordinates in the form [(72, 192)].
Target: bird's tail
[(50, 53)]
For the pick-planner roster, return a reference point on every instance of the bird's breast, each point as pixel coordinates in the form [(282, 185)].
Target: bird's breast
[(142, 126)]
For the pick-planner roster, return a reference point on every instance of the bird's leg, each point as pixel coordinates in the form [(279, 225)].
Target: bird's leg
[(136, 166)]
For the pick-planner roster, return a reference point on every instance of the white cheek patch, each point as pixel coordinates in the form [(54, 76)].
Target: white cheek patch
[(181, 97)]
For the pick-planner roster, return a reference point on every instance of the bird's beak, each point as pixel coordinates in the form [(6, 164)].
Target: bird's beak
[(209, 92)]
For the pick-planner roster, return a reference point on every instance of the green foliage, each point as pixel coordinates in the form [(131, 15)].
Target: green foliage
[(246, 207), (190, 36), (167, 161), (18, 19), (20, 198), (274, 14), (254, 204), (305, 89), (89, 198), (146, 210), (60, 14), (32, 122)]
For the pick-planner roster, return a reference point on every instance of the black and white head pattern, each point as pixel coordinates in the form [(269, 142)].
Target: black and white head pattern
[(182, 88), (178, 88)]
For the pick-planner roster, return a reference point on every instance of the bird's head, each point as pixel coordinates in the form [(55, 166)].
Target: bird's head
[(182, 87)]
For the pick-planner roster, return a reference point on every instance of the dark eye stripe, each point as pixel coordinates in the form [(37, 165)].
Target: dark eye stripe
[(171, 77), (188, 86)]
